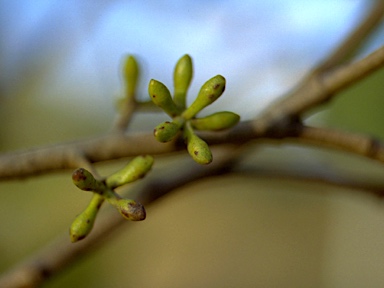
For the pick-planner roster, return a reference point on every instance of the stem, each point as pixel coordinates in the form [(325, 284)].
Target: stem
[(358, 144), (61, 253)]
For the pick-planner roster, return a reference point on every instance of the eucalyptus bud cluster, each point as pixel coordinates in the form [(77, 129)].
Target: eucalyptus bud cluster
[(184, 118), (104, 190)]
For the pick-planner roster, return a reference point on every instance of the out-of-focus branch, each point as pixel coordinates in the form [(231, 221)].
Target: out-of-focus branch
[(59, 254), (65, 155), (346, 75), (124, 116), (318, 89), (353, 42), (117, 145), (318, 86), (279, 121), (358, 144)]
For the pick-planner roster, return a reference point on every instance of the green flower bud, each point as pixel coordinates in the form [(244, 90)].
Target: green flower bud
[(209, 92), (182, 77), (216, 121), (83, 223), (131, 210), (161, 96), (199, 150), (166, 131), (84, 180), (131, 75), (134, 170), (197, 147)]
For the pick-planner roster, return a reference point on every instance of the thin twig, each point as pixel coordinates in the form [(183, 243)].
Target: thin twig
[(65, 155), (353, 42), (312, 90), (358, 144), (319, 89), (59, 254), (117, 145), (346, 75), (124, 116)]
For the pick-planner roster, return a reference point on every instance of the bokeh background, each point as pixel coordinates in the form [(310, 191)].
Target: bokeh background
[(60, 77)]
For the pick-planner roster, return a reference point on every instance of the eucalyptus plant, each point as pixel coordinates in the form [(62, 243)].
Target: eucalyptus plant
[(184, 118), (184, 121), (104, 190)]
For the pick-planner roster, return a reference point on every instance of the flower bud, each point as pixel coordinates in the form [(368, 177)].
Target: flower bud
[(134, 170), (209, 92), (161, 96), (197, 147), (131, 75), (216, 121), (199, 150), (83, 223), (182, 77), (166, 131), (84, 180), (131, 209)]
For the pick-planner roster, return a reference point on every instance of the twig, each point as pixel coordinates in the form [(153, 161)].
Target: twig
[(124, 116), (317, 87), (358, 144), (356, 38), (117, 145), (348, 74), (59, 254), (65, 156), (317, 90)]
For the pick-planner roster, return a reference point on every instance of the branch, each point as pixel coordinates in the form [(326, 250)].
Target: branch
[(55, 257), (318, 87), (65, 156), (103, 148), (124, 116), (111, 146), (116, 145), (358, 144), (346, 75), (277, 122), (126, 113), (59, 254), (315, 89), (353, 42)]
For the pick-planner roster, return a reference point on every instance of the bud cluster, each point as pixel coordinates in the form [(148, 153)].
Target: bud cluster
[(184, 121), (184, 118), (104, 190)]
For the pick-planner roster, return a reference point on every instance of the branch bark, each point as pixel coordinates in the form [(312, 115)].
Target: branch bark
[(314, 90), (362, 145), (118, 145), (279, 121), (59, 254)]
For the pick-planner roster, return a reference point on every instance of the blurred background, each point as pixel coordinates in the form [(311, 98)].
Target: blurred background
[(60, 77)]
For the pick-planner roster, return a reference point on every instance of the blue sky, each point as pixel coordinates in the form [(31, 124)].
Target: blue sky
[(76, 47)]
